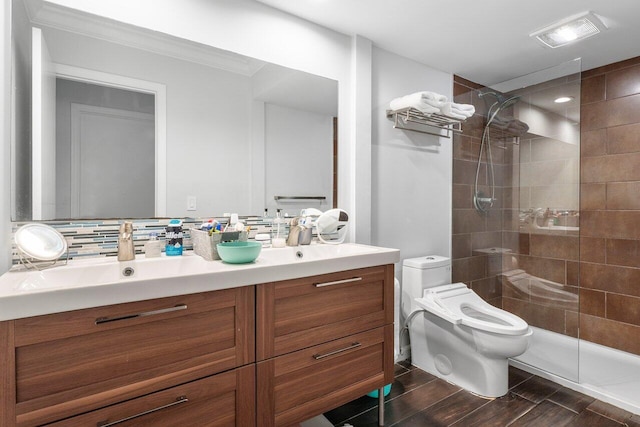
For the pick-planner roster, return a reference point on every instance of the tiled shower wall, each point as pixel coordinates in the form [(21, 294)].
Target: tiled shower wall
[(474, 233), (605, 265), (610, 206), (531, 172)]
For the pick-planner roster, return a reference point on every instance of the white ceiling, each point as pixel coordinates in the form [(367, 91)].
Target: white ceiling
[(484, 41)]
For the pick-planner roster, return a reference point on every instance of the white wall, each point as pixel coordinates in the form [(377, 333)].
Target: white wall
[(5, 156), (411, 172), (20, 108)]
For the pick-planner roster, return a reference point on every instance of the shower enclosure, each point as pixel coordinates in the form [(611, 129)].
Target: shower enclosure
[(516, 204), (516, 221)]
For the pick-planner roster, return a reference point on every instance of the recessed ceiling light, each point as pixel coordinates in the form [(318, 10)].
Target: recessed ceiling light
[(563, 99), (568, 30)]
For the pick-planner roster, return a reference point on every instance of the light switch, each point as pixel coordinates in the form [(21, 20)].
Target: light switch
[(191, 203)]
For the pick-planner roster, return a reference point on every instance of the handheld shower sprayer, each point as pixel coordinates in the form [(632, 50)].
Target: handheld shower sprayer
[(481, 202)]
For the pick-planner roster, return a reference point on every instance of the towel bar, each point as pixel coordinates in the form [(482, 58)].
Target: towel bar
[(410, 115)]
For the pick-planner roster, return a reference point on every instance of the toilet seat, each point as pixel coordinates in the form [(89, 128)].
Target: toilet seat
[(458, 304)]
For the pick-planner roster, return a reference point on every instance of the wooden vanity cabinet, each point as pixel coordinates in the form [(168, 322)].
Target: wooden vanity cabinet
[(322, 341), (274, 354), (224, 399), (71, 363)]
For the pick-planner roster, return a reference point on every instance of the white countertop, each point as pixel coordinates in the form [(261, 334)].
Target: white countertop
[(99, 281)]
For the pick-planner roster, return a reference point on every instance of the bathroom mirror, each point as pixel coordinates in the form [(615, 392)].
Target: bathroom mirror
[(40, 242), (209, 131)]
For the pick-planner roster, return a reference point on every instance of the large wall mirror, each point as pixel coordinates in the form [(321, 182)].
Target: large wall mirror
[(114, 121)]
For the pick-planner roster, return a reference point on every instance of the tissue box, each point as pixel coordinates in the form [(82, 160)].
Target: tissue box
[(205, 244)]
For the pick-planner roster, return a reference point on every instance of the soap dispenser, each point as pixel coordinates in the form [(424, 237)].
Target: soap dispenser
[(278, 240)]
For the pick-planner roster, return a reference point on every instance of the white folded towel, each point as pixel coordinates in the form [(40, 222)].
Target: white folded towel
[(432, 98), (425, 101), (454, 115), (413, 101), (458, 111)]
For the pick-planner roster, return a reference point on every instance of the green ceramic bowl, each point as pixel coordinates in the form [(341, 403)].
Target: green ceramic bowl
[(239, 252)]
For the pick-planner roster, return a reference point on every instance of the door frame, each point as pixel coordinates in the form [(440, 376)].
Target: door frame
[(159, 91)]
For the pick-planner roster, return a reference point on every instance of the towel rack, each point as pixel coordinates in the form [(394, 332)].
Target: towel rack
[(299, 197), (410, 115)]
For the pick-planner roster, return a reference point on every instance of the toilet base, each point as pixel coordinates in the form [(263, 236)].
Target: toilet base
[(450, 352)]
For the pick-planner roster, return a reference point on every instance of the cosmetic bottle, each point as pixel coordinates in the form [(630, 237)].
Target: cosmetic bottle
[(173, 239)]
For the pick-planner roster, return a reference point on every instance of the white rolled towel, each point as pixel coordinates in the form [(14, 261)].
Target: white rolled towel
[(458, 111)]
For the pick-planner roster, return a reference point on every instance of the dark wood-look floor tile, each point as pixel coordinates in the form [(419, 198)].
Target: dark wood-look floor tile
[(418, 398), (545, 414), (609, 411), (633, 421), (407, 404), (446, 412), (404, 382), (406, 364), (342, 413), (577, 402), (591, 419), (497, 413), (517, 376), (412, 379), (398, 369), (536, 389)]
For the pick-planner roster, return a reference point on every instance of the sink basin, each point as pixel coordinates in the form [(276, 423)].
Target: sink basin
[(94, 282), (317, 252), (105, 270)]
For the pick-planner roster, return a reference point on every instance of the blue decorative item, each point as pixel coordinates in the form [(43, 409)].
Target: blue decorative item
[(374, 393)]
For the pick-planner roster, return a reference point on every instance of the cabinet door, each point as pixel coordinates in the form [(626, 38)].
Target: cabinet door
[(74, 362), (305, 383), (225, 399), (299, 313)]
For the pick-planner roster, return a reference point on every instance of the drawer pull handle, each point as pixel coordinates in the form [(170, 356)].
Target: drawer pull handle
[(337, 282), (179, 400), (331, 353), (101, 320)]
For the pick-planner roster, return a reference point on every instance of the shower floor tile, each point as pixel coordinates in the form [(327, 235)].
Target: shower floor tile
[(418, 398)]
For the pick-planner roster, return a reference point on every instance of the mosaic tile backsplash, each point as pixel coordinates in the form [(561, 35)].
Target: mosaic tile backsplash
[(99, 238)]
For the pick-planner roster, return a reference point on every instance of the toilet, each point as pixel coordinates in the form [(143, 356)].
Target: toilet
[(456, 335)]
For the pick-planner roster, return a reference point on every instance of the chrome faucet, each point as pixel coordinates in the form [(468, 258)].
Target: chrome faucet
[(126, 251)]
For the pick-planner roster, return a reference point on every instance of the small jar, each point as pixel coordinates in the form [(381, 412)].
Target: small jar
[(263, 238), (153, 247)]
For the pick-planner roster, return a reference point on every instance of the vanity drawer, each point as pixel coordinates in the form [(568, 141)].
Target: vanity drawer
[(300, 313), (74, 362), (300, 385), (225, 399)]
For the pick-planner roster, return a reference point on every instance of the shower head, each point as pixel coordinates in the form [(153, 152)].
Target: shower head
[(501, 104), (500, 98), (505, 103)]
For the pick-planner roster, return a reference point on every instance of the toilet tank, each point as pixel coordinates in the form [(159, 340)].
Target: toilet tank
[(421, 273)]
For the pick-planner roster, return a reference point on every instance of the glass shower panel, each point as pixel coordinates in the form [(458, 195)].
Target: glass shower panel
[(540, 137)]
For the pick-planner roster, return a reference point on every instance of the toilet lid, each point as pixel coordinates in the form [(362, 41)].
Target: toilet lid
[(464, 304)]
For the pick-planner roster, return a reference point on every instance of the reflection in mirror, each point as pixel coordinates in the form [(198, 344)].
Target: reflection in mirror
[(111, 127), (228, 133)]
